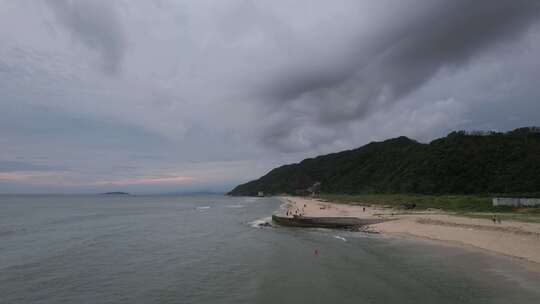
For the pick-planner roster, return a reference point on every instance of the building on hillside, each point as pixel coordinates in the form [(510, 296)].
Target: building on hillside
[(516, 202), (315, 189)]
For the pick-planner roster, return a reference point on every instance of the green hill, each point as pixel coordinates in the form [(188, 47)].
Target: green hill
[(460, 163)]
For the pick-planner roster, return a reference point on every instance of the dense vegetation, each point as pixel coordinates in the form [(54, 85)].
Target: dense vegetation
[(457, 203), (476, 206), (460, 163)]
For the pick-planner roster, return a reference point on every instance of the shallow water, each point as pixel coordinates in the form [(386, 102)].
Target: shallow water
[(211, 249)]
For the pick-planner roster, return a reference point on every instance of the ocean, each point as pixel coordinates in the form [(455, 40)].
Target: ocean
[(217, 249)]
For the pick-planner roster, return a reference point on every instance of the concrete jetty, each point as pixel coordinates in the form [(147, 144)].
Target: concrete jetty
[(323, 222)]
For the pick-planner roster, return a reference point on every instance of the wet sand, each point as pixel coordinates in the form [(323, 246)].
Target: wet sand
[(515, 239)]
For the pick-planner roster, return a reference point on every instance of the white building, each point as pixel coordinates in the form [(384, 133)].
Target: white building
[(516, 202)]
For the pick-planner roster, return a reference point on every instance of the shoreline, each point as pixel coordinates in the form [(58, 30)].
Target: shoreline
[(515, 240), (528, 264)]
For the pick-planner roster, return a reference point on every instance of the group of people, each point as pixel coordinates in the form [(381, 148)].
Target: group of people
[(297, 212), (496, 219)]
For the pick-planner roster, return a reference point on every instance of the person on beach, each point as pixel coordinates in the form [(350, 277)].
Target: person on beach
[(363, 209), (494, 219)]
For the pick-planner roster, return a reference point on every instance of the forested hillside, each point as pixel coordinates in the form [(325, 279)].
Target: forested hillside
[(460, 163)]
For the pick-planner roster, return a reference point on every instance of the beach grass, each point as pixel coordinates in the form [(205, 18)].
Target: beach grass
[(530, 216), (477, 206)]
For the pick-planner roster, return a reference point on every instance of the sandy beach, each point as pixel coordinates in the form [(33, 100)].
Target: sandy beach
[(515, 239)]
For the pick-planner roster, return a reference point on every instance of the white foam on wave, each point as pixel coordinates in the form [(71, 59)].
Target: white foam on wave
[(340, 238), (364, 235), (261, 223), (283, 208), (234, 206), (202, 208)]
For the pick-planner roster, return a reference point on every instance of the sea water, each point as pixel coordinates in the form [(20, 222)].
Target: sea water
[(217, 249)]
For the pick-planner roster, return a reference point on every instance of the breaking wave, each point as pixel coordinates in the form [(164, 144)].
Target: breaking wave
[(340, 238), (261, 223), (234, 206)]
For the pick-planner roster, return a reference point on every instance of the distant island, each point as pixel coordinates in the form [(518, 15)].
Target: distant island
[(460, 163), (116, 193)]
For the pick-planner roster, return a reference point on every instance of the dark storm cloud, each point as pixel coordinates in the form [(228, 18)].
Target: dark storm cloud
[(399, 59), (95, 24)]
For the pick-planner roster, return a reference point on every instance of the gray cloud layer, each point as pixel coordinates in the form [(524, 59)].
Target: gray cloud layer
[(221, 91), (96, 25), (10, 166), (400, 59)]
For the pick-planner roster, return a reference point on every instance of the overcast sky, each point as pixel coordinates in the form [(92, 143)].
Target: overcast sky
[(170, 95)]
